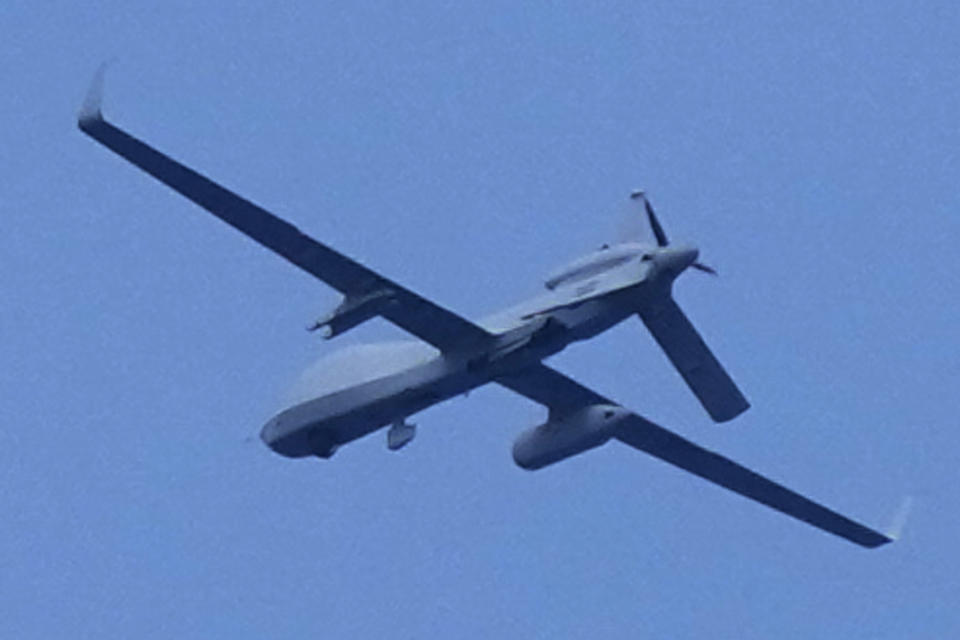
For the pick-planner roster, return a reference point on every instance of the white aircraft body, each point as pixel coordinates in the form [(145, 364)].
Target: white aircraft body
[(372, 387)]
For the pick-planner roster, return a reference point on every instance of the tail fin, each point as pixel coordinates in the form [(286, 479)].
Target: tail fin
[(701, 371)]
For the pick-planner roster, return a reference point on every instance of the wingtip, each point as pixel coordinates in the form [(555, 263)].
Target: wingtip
[(90, 110), (895, 530)]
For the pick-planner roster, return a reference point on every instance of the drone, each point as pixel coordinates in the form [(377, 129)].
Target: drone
[(382, 386)]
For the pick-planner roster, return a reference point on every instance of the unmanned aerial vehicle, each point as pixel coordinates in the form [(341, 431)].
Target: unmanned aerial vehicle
[(454, 355)]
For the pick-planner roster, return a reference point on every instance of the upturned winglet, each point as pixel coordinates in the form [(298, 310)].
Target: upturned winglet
[(900, 519), (90, 111)]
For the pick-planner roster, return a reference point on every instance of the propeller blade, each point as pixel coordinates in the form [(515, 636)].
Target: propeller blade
[(705, 268), (655, 225), (651, 218)]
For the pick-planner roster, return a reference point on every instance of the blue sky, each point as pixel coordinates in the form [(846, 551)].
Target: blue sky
[(810, 151)]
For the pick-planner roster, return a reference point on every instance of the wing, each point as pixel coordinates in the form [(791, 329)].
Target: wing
[(424, 319), (560, 393)]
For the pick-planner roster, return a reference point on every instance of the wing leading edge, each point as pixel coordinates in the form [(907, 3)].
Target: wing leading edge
[(417, 315), (561, 393)]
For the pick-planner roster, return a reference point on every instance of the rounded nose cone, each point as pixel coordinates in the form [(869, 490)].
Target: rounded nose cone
[(269, 432)]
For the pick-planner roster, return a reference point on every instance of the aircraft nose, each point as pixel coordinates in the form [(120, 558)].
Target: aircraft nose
[(270, 431)]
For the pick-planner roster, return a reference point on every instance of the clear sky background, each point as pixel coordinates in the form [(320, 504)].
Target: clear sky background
[(465, 150)]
